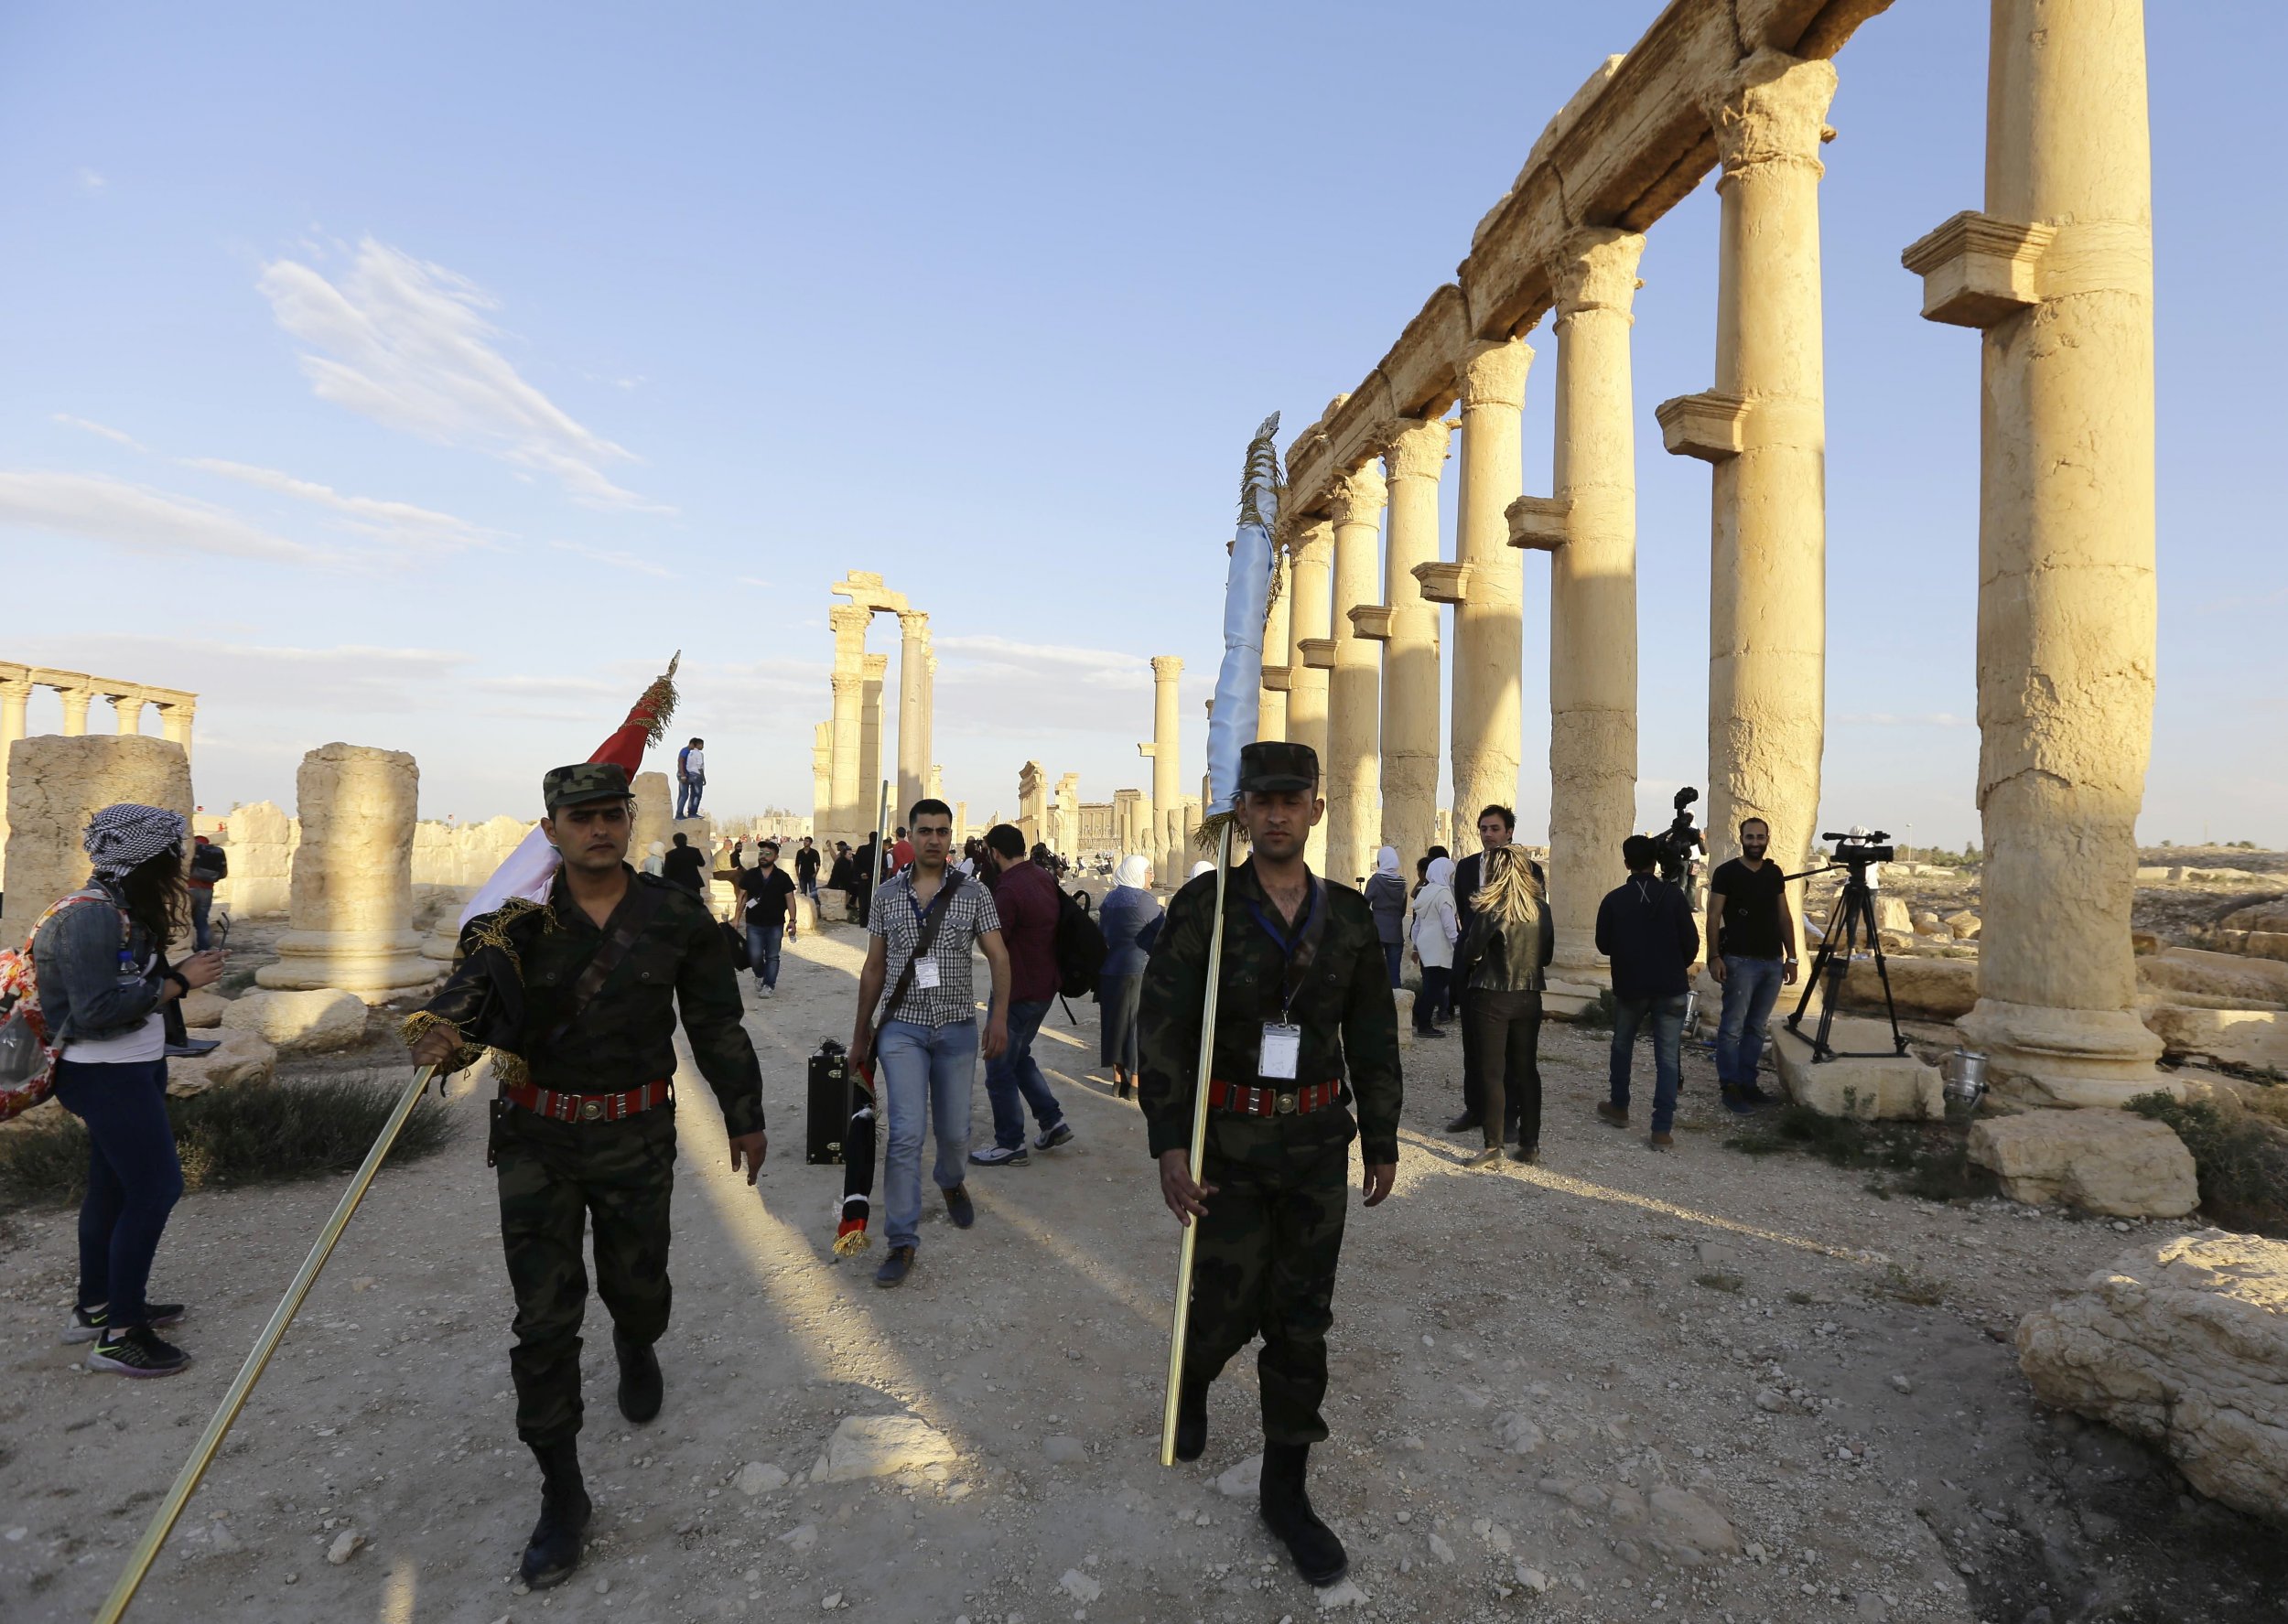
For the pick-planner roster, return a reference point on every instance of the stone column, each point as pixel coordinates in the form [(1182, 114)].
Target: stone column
[(1489, 624), (1309, 626), (351, 907), (877, 667), (1271, 714), (1590, 527), (1417, 457), (913, 727), (654, 816), (75, 703), (175, 720), (1764, 429), (54, 786), (126, 711), (850, 622), (16, 692), (1352, 768), (1167, 747), (2059, 273), (821, 777)]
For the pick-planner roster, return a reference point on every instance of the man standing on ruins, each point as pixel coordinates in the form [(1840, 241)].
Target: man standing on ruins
[(578, 998), (1751, 952), (691, 778), (1304, 998)]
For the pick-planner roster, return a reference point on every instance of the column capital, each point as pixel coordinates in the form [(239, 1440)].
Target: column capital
[(847, 617), (1771, 110), (1360, 495), (16, 687), (1594, 268), (846, 682), (876, 665), (1416, 448), (913, 623), (1167, 668), (1494, 373), (1312, 541)]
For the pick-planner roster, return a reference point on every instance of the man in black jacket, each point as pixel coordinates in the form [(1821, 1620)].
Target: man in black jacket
[(1645, 926), (1497, 825)]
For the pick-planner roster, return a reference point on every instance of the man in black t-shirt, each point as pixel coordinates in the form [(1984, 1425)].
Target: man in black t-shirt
[(807, 868), (1750, 952), (766, 901)]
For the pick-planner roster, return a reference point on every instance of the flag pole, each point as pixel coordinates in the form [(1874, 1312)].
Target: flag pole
[(162, 1522), (1188, 1248)]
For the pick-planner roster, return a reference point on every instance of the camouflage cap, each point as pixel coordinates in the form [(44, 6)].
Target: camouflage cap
[(1274, 764), (588, 780)]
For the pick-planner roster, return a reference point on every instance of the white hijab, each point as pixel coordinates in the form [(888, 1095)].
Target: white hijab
[(1387, 860), (1441, 872), (1133, 871)]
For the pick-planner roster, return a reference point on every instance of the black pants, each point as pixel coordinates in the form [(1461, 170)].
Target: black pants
[(1431, 1002), (1501, 1077)]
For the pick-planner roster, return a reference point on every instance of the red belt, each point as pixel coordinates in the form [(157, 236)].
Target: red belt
[(586, 1107), (1268, 1102)]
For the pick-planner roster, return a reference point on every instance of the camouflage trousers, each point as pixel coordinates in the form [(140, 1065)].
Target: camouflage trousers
[(1264, 1264), (554, 1177)]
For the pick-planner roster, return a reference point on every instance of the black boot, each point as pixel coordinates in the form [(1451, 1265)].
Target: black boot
[(1191, 1419), (640, 1385), (1319, 1555), (554, 1550)]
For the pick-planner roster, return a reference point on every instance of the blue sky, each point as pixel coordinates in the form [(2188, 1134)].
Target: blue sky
[(424, 375)]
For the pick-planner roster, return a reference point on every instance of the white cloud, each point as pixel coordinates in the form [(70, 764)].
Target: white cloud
[(106, 430), (90, 507), (408, 344), (265, 679), (627, 561), (90, 179), (986, 656), (388, 520)]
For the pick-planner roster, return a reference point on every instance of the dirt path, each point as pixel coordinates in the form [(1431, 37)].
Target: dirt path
[(1818, 1366)]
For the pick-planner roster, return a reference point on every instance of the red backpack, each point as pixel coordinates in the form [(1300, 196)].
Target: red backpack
[(28, 1060)]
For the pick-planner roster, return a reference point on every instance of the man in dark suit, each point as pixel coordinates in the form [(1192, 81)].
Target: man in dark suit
[(1497, 825)]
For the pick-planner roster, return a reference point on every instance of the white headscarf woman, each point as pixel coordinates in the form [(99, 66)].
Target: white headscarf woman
[(1130, 917), (1435, 929), (1133, 872)]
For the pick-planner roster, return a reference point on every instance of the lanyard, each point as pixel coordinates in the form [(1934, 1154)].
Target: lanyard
[(1301, 949)]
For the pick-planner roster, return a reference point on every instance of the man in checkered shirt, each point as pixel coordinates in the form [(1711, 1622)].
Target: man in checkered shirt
[(927, 1040)]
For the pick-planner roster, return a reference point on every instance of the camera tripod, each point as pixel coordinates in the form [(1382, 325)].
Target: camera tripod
[(1854, 909)]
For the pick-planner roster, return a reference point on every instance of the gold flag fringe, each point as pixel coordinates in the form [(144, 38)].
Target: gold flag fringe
[(1211, 831), (659, 701)]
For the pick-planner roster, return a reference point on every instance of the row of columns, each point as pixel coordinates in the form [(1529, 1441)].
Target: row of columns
[(846, 753), (2058, 274), (78, 691)]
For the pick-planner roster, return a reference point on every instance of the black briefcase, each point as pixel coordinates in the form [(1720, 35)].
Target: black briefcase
[(830, 1103)]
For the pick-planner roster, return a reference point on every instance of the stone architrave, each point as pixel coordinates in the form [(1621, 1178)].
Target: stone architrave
[(877, 667), (1310, 622), (1351, 768), (1167, 751), (654, 814), (56, 784), (2059, 273), (913, 727), (352, 886), (850, 622), (1271, 710), (1489, 622), (1764, 431), (1592, 592), (1417, 458)]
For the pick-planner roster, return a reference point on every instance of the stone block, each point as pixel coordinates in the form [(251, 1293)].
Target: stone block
[(1891, 914), (1921, 989), (1405, 997), (240, 1056), (1885, 1087), (2236, 1037), (1963, 925), (56, 782), (2100, 1161), (834, 907), (300, 1022), (2231, 978), (204, 1009), (881, 1447), (2182, 1343), (259, 839)]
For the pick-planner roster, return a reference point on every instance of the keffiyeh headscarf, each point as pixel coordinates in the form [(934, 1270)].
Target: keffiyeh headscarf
[(125, 837)]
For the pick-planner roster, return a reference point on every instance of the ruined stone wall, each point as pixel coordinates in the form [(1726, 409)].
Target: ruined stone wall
[(56, 782)]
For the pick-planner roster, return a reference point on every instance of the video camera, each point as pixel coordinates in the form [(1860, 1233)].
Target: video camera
[(1680, 841), (1860, 847)]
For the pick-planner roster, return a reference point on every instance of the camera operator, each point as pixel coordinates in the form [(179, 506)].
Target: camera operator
[(1645, 926), (1751, 952)]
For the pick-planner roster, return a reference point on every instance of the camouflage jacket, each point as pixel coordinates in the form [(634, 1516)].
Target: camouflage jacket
[(1349, 1020), (519, 966)]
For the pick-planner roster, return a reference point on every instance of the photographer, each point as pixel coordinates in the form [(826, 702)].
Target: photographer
[(1751, 952), (1644, 926)]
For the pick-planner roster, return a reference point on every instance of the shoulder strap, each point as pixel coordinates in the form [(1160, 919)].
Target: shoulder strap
[(606, 958), (932, 916)]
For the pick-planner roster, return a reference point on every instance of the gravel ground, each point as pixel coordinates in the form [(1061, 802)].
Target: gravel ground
[(1528, 1366)]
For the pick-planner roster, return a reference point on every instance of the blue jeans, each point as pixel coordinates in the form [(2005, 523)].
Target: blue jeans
[(1750, 988), (1666, 1015), (133, 1178), (687, 795), (922, 1071), (762, 952), (201, 904), (1017, 1073)]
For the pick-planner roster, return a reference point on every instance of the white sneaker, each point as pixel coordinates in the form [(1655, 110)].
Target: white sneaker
[(769, 992)]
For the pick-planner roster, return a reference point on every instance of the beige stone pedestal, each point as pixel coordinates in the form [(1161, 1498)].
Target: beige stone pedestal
[(56, 784), (1350, 768), (1865, 1085), (2057, 273), (352, 887)]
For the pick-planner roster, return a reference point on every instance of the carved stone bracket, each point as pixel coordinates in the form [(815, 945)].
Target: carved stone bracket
[(1372, 621), (1702, 426), (1278, 679), (1977, 270), (1318, 652), (1443, 583), (1540, 522)]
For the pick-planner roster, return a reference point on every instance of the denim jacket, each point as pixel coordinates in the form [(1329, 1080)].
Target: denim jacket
[(89, 985)]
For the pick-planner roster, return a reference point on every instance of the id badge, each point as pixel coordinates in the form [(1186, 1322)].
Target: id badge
[(1282, 1049), (925, 973)]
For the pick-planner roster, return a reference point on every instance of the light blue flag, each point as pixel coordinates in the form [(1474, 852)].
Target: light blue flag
[(1246, 601)]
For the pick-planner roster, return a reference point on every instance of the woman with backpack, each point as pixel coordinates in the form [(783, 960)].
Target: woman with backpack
[(99, 959), (1126, 911)]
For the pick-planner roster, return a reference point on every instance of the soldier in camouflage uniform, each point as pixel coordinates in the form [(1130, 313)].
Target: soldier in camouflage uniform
[(578, 998), (1304, 998)]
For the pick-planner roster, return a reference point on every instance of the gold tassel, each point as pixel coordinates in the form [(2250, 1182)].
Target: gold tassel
[(851, 1245), (1210, 833)]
